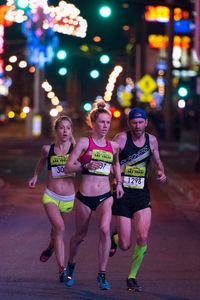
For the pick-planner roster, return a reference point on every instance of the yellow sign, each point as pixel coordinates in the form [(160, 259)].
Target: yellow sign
[(126, 99), (146, 98), (147, 84)]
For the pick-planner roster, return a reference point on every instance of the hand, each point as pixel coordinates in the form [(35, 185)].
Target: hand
[(119, 190), (32, 182), (161, 176), (93, 165)]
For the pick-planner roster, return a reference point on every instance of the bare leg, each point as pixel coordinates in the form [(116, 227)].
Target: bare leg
[(124, 232), (47, 253), (104, 215), (51, 242), (142, 221), (58, 229), (82, 219)]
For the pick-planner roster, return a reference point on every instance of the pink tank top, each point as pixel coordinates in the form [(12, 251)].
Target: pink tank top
[(102, 154)]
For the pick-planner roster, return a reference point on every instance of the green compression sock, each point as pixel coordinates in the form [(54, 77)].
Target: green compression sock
[(137, 259)]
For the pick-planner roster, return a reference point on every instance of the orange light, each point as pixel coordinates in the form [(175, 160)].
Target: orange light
[(161, 41), (161, 14), (3, 10), (157, 13), (97, 39), (11, 114), (116, 114), (126, 28)]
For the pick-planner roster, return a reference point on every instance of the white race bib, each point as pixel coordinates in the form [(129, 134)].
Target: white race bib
[(133, 182), (103, 170), (58, 171)]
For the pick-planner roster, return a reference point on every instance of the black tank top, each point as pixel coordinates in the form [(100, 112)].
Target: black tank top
[(134, 163), (52, 153), (56, 163)]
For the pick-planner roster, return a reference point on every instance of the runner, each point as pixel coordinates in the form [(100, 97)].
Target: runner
[(136, 149), (96, 156), (58, 198)]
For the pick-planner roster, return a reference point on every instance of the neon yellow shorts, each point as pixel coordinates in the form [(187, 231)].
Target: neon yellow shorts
[(63, 205)]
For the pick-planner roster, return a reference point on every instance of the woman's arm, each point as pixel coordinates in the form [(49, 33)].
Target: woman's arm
[(72, 164), (39, 166)]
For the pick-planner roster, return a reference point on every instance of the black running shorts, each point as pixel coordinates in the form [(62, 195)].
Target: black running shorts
[(131, 202)]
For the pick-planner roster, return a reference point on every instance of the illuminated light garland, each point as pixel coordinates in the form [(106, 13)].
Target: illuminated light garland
[(40, 22), (54, 99), (13, 14), (111, 82), (64, 18)]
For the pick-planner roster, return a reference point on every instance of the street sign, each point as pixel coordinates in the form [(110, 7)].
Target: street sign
[(147, 84), (146, 97)]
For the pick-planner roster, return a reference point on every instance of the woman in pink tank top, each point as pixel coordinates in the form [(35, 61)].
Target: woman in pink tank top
[(94, 157)]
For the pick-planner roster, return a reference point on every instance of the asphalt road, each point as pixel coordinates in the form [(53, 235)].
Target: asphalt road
[(171, 269)]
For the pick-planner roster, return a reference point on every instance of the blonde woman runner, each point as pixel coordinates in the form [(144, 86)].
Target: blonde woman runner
[(59, 194)]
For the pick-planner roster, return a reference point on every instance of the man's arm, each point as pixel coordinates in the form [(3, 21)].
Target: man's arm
[(120, 138), (117, 171), (156, 159)]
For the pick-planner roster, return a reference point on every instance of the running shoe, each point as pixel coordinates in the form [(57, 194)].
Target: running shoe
[(68, 277), (102, 282), (61, 275), (113, 247), (46, 254), (132, 285)]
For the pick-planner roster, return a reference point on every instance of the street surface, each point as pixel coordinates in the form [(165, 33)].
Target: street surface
[(171, 269)]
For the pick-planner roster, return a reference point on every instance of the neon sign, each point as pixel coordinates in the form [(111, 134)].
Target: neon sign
[(161, 14), (161, 41)]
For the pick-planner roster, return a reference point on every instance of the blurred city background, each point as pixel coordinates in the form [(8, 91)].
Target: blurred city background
[(59, 57)]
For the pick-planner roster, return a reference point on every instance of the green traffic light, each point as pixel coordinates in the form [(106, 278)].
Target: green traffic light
[(94, 74), (61, 54), (87, 106), (62, 71), (22, 4), (105, 11), (104, 59), (182, 91)]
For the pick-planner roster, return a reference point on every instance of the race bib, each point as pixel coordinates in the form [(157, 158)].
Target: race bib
[(134, 177), (106, 159), (58, 166), (58, 172)]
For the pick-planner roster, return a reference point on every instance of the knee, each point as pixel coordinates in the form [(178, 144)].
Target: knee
[(141, 239), (80, 235), (59, 229), (105, 231), (124, 245)]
